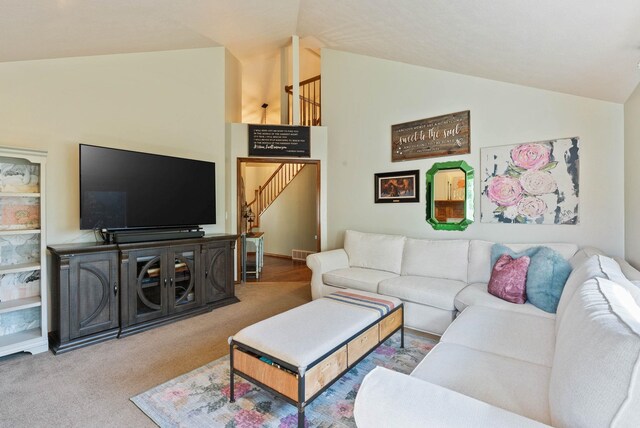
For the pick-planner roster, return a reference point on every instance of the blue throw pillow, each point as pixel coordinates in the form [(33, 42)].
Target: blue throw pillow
[(547, 274)]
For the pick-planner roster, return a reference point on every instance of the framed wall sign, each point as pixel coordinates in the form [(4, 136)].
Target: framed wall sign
[(436, 136), (279, 141), (401, 186)]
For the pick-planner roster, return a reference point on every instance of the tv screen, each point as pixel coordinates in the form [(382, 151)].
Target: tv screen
[(122, 189)]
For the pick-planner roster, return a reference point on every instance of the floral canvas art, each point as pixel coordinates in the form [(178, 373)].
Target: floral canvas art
[(532, 183)]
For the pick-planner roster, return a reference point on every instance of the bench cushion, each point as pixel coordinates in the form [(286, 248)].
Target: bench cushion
[(514, 385), (357, 278), (301, 335), (437, 292), (512, 334)]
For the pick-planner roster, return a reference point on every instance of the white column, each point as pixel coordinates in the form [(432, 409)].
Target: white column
[(295, 78), (284, 81)]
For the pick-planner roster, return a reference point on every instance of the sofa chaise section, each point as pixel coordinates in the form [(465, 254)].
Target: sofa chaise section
[(497, 367)]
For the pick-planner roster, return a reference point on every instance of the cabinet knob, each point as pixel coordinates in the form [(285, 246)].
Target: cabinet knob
[(165, 283), (206, 273), (115, 288), (171, 280)]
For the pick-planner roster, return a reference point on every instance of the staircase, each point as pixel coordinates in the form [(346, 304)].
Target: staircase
[(309, 102), (272, 188)]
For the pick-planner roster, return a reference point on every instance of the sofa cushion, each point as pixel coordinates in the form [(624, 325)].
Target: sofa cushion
[(595, 380), (356, 278), (548, 272), (374, 251), (480, 256), (436, 258), (388, 398), (428, 319), (512, 334), (477, 294), (597, 266), (514, 385), (437, 292), (509, 277)]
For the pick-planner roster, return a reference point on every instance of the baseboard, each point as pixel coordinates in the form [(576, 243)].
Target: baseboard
[(278, 256)]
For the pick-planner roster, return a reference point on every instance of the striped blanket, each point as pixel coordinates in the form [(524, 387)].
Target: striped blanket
[(374, 303)]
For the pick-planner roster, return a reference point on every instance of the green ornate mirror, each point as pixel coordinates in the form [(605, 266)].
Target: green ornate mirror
[(450, 195)]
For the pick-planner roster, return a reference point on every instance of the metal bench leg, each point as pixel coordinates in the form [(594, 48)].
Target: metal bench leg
[(300, 416), (402, 330), (232, 395)]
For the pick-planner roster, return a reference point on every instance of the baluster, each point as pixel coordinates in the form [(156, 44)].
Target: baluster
[(309, 105), (313, 111)]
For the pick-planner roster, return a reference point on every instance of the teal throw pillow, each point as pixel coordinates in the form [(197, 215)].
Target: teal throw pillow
[(547, 274)]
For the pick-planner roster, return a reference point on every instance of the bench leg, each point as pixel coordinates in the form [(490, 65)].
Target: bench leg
[(402, 337), (232, 395), (300, 417)]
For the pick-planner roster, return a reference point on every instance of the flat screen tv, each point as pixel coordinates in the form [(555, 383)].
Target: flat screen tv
[(121, 189)]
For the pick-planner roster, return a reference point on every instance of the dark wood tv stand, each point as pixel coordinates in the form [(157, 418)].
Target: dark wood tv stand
[(101, 291)]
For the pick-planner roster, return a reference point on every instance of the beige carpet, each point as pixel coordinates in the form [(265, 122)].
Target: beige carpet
[(92, 386)]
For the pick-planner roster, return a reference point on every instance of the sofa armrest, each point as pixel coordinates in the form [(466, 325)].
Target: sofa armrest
[(629, 271), (320, 263), (391, 399), (582, 255)]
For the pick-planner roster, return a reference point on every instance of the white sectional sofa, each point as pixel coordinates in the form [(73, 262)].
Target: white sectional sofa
[(434, 278), (497, 364), (502, 368)]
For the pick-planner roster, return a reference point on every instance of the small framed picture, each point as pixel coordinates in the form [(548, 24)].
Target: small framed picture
[(400, 186)]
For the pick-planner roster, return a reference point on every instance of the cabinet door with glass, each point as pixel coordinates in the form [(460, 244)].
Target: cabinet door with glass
[(182, 267), (163, 281), (147, 285), (23, 290)]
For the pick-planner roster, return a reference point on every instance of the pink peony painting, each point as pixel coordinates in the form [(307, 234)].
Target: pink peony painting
[(532, 183)]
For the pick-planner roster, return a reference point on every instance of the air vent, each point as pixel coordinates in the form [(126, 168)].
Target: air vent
[(300, 254)]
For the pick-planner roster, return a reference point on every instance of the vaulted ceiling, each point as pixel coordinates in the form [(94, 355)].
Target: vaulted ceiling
[(589, 48)]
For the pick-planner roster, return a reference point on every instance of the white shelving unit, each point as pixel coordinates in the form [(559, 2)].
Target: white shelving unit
[(23, 281)]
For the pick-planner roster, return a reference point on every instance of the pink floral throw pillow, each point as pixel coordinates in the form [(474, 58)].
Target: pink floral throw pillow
[(509, 277)]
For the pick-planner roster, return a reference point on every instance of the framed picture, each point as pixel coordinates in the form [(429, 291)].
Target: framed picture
[(400, 186), (444, 135), (531, 183)]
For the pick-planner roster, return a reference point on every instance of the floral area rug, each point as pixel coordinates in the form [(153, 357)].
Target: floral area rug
[(200, 398)]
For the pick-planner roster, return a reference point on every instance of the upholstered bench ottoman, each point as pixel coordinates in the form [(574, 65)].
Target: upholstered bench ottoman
[(299, 353)]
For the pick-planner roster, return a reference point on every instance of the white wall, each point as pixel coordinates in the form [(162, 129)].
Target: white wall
[(632, 177), (170, 103), (290, 222), (255, 174), (363, 96), (232, 88)]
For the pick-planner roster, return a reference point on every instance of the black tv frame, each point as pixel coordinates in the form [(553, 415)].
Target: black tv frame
[(145, 233)]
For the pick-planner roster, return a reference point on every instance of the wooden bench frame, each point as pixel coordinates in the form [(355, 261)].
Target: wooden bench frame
[(299, 388)]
